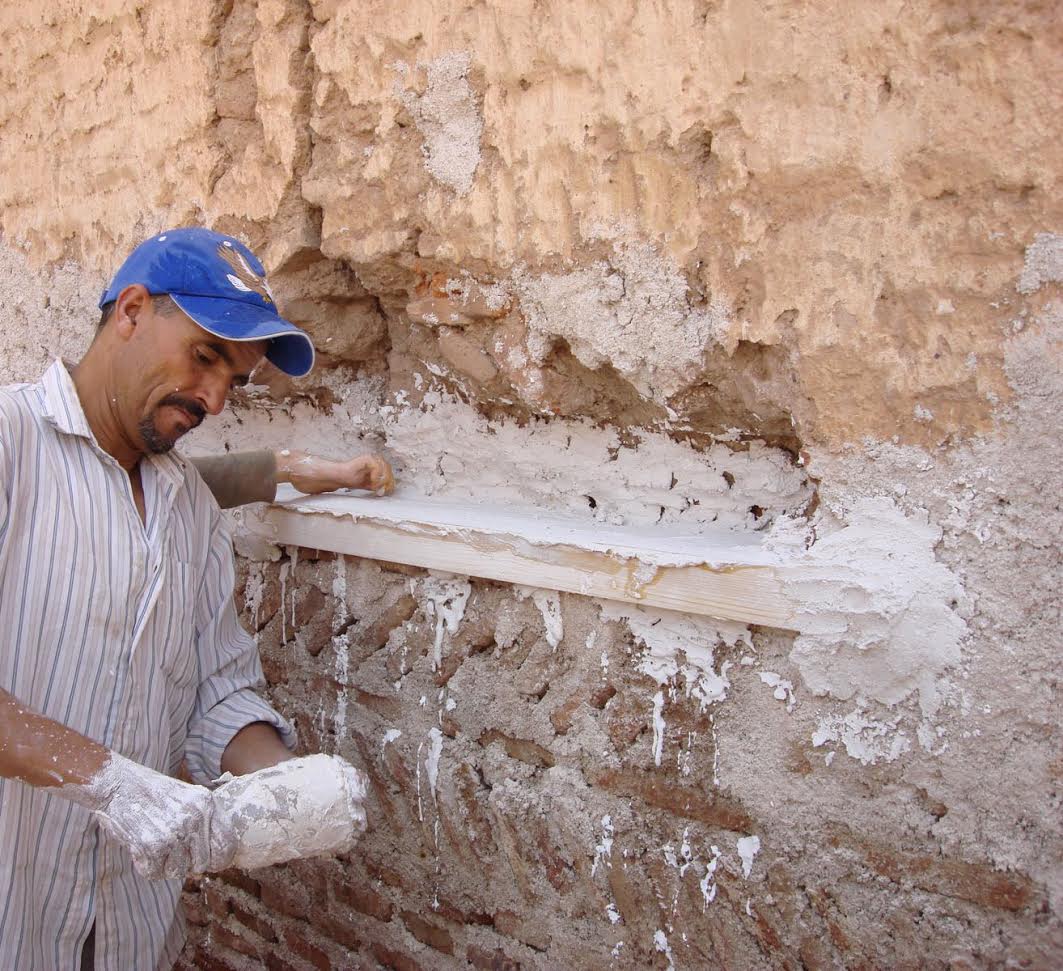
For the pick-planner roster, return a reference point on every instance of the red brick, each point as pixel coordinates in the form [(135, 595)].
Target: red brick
[(237, 941), (216, 900), (237, 878), (214, 960), (339, 928), (362, 898), (521, 749), (496, 960), (532, 933), (977, 883), (687, 801), (302, 947), (195, 910), (254, 922), (395, 960), (292, 901), (428, 933), (276, 963)]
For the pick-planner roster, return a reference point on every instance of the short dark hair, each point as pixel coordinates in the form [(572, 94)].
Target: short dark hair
[(162, 303)]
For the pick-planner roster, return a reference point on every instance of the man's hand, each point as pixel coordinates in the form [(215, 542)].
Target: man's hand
[(170, 827), (311, 474)]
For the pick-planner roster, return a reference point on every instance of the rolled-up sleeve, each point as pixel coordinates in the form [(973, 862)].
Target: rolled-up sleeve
[(230, 670)]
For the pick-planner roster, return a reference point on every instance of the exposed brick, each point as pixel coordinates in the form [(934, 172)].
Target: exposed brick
[(428, 933), (394, 959), (385, 707), (238, 878), (195, 909), (339, 928), (520, 749), (301, 946), (288, 898), (239, 941), (374, 635), (496, 960), (276, 963), (362, 898), (214, 960), (562, 716), (384, 874), (458, 916), (216, 900), (687, 801), (254, 922), (532, 933), (977, 883)]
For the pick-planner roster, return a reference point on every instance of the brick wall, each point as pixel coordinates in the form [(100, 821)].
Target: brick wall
[(546, 756)]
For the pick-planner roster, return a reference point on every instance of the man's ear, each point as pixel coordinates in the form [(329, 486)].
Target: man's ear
[(133, 301)]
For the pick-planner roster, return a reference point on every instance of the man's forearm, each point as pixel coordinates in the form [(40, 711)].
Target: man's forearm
[(42, 752), (255, 746)]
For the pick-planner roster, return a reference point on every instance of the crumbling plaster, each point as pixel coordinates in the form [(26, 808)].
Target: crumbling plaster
[(552, 251)]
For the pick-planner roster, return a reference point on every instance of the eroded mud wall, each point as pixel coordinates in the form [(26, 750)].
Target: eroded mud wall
[(795, 269)]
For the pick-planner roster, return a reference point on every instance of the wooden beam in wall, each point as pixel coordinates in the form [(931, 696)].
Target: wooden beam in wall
[(716, 574)]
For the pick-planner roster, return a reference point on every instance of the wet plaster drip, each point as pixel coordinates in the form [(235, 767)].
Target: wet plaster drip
[(445, 599)]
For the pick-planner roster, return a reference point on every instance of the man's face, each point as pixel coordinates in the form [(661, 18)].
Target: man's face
[(177, 373)]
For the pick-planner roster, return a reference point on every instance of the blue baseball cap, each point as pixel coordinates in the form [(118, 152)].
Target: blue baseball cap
[(221, 285)]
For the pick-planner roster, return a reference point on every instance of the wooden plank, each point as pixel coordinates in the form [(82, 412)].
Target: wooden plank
[(747, 592)]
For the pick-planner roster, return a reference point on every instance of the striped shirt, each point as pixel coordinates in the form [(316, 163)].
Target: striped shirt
[(126, 632)]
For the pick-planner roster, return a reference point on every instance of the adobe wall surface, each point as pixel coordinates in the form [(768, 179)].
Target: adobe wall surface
[(796, 271)]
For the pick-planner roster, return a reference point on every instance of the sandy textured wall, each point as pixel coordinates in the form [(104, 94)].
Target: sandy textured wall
[(792, 266)]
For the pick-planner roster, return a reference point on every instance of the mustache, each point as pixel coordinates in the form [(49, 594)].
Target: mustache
[(194, 408)]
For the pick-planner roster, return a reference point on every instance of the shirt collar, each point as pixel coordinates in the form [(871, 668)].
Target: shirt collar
[(63, 409)]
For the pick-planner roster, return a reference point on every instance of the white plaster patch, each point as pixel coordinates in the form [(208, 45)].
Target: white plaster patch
[(782, 690), (1043, 263), (447, 449), (448, 115), (864, 738), (680, 644), (874, 607), (604, 313), (748, 848)]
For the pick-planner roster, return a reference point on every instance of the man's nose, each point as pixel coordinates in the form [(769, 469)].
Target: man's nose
[(212, 396)]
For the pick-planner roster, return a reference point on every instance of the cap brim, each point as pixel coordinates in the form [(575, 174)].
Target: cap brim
[(290, 349)]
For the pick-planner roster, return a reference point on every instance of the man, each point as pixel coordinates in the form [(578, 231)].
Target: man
[(123, 655)]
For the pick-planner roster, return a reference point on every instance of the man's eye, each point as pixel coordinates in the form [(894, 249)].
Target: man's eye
[(201, 357)]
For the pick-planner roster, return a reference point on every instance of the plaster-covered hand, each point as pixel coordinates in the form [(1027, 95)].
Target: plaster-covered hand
[(170, 827), (311, 474), (299, 808)]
